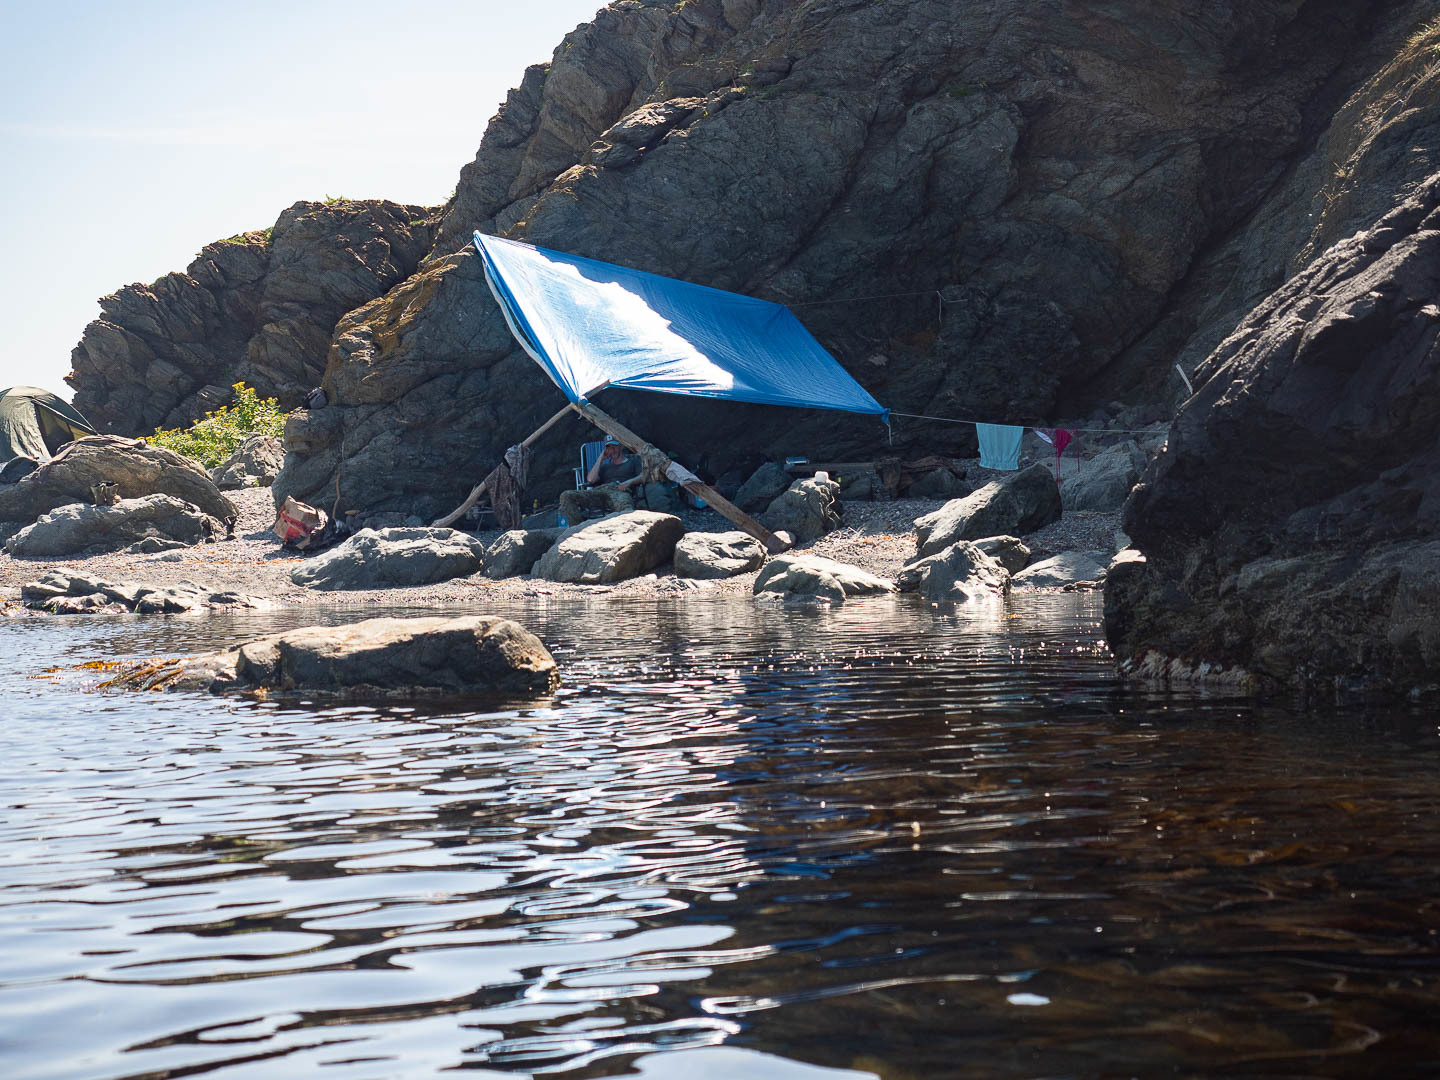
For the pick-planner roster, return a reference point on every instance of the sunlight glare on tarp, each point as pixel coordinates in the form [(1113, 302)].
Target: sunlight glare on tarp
[(590, 323)]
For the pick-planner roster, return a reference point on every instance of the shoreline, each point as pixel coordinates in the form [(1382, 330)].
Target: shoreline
[(878, 537)]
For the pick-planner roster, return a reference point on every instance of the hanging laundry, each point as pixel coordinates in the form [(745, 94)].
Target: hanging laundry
[(1058, 438), (999, 446)]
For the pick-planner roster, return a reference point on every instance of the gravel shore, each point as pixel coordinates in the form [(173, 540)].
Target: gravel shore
[(875, 536)]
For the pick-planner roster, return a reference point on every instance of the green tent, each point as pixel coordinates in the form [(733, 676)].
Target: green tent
[(35, 423)]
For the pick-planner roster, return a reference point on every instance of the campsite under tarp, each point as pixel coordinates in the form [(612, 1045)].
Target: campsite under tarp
[(591, 324), (35, 423)]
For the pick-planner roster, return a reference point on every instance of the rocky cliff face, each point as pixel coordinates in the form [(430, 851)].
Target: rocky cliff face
[(258, 308), (1016, 192), (1291, 528)]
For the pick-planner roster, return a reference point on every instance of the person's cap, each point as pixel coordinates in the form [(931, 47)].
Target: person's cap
[(610, 440)]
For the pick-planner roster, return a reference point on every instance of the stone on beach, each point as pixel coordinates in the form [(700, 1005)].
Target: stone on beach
[(611, 549), (135, 468), (436, 655), (392, 558), (717, 555), (62, 593), (1064, 569), (1015, 506), (1103, 482), (807, 510), (255, 463), (1009, 551), (514, 552), (959, 574), (815, 576), (81, 528), (762, 488)]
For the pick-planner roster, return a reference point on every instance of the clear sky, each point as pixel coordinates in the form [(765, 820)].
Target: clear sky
[(131, 135)]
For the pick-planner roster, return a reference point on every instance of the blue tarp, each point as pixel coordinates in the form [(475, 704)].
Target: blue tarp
[(589, 324)]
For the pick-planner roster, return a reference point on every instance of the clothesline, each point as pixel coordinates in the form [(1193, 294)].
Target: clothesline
[(1100, 431)]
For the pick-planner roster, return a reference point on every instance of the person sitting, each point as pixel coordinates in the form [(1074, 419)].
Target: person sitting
[(614, 466)]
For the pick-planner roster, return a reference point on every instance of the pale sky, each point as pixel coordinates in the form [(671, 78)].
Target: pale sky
[(131, 135)]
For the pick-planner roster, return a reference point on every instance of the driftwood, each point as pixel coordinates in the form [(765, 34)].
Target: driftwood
[(491, 479)]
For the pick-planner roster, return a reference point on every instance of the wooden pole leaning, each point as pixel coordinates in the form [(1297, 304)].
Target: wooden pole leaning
[(689, 481), (484, 485)]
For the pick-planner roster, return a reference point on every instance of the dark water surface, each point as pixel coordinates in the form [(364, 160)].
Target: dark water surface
[(743, 841)]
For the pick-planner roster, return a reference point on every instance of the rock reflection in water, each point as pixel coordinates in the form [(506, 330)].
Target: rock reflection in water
[(879, 840)]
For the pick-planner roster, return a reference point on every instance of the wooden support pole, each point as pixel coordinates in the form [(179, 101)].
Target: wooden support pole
[(691, 483), (484, 485)]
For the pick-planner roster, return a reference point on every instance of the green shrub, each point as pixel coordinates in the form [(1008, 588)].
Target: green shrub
[(211, 440)]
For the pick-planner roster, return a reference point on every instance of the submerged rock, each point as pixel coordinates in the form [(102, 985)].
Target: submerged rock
[(468, 654), (392, 558), (611, 549), (814, 576), (62, 593)]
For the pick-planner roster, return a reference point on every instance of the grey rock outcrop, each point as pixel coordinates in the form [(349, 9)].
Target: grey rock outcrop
[(611, 549), (259, 308), (812, 576), (1103, 482), (717, 555), (468, 654), (1064, 569), (516, 551), (938, 484), (1017, 505), (64, 593), (764, 485), (807, 510), (392, 558), (79, 529), (255, 463), (960, 574), (135, 468), (1009, 551), (1289, 529)]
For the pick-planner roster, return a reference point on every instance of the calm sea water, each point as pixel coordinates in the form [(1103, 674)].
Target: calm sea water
[(743, 841)]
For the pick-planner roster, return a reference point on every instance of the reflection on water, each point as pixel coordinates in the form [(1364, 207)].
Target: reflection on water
[(743, 841)]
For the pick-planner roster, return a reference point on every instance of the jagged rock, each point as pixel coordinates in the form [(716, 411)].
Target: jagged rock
[(468, 654), (807, 510), (797, 576), (392, 558), (1009, 551), (135, 468), (64, 593), (1289, 527), (960, 574), (717, 555), (1103, 482), (939, 484), (1064, 569), (255, 463), (611, 549), (763, 487), (80, 529), (1014, 506), (515, 552), (258, 308)]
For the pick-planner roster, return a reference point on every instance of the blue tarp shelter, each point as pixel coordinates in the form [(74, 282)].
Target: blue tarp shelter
[(591, 324)]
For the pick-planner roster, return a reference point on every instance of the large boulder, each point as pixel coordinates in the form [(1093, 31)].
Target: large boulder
[(468, 654), (807, 576), (1067, 568), (807, 510), (135, 468), (1017, 505), (64, 593), (762, 488), (258, 308), (515, 552), (611, 549), (1103, 482), (717, 555), (255, 463), (81, 529), (960, 574), (392, 558), (1289, 529)]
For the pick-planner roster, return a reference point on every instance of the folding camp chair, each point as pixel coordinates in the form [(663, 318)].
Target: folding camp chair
[(589, 454)]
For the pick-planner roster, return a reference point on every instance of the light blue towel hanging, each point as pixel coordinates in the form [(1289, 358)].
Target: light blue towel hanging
[(999, 445)]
